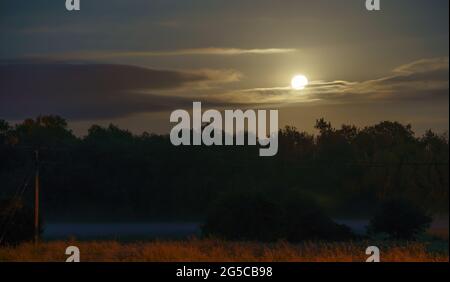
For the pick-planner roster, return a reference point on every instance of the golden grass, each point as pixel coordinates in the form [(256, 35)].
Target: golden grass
[(211, 250)]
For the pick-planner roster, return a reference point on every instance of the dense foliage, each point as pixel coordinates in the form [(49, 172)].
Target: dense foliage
[(114, 174)]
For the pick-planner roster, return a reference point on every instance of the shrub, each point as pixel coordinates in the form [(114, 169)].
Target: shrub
[(244, 217), (304, 220), (255, 217), (16, 223), (400, 220)]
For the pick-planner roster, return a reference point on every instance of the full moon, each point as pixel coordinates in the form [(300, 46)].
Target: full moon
[(299, 82)]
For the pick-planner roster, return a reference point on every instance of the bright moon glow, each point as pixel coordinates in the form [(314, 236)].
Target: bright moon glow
[(299, 82)]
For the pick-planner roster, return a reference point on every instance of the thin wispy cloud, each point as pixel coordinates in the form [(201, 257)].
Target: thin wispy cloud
[(211, 51), (425, 79)]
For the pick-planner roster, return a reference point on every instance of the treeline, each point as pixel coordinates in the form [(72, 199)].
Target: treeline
[(114, 174)]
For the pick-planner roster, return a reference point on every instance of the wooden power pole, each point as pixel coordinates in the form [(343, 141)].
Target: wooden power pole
[(36, 199)]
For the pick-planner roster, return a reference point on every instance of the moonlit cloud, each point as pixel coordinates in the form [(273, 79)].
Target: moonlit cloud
[(82, 91), (211, 51), (425, 79)]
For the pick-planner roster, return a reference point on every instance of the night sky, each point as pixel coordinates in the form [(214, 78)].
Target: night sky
[(133, 62)]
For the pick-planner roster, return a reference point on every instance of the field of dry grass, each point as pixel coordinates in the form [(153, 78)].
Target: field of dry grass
[(211, 250)]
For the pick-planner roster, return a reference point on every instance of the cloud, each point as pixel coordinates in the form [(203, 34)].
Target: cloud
[(420, 80), (211, 51), (100, 91), (90, 91), (425, 79), (424, 65)]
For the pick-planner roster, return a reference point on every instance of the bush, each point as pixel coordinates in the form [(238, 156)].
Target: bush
[(400, 220), (255, 217), (16, 223), (304, 220), (244, 217)]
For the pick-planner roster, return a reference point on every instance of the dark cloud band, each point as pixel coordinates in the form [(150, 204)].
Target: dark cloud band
[(86, 91)]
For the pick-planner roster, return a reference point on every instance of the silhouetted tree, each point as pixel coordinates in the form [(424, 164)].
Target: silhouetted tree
[(116, 174)]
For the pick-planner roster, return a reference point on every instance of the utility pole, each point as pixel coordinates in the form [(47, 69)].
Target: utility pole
[(36, 198)]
